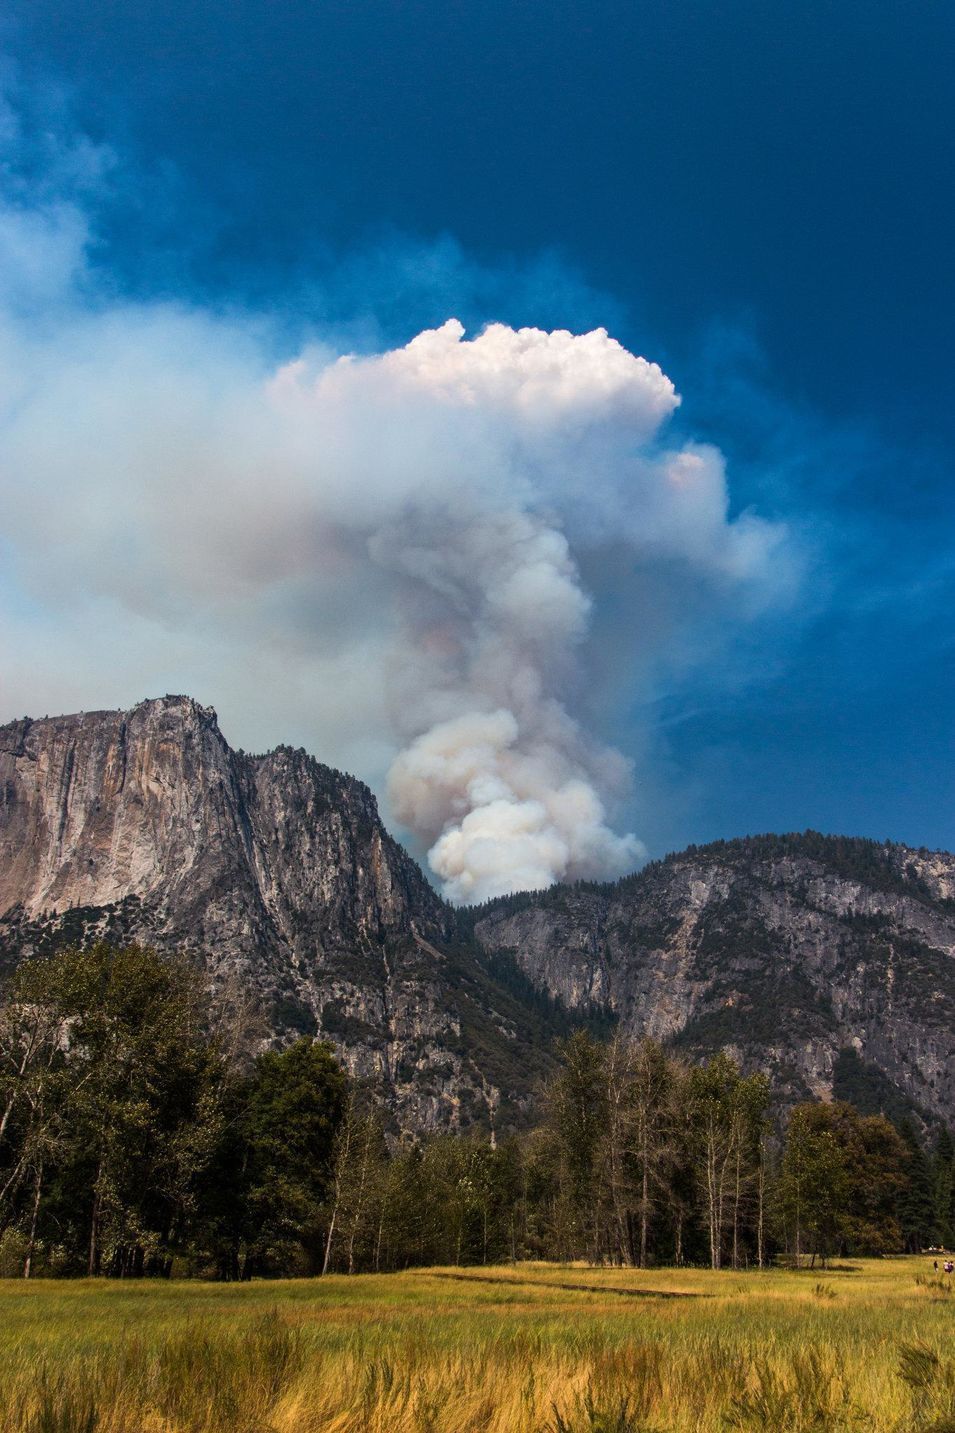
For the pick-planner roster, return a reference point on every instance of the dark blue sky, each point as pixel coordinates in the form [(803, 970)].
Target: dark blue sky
[(760, 197)]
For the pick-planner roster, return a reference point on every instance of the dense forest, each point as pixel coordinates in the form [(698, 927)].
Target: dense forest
[(138, 1136)]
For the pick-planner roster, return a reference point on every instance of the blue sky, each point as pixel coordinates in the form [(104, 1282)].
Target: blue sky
[(758, 198)]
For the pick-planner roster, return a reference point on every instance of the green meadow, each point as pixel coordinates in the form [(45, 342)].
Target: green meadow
[(527, 1348)]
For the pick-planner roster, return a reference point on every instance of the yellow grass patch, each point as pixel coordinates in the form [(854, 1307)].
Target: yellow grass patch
[(530, 1348)]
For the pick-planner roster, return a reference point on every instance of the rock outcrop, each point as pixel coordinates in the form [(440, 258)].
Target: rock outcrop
[(829, 962)]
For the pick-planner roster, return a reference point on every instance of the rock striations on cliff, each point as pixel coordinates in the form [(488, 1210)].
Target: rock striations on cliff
[(828, 961), (274, 870)]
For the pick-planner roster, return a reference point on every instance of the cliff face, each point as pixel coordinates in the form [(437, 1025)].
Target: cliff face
[(828, 962), (152, 802), (273, 869)]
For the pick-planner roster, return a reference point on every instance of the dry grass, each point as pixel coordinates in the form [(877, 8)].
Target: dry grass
[(529, 1349)]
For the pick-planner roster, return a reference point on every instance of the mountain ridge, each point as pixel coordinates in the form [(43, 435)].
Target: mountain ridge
[(789, 950), (827, 958)]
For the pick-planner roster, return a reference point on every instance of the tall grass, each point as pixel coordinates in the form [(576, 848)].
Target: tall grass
[(525, 1349)]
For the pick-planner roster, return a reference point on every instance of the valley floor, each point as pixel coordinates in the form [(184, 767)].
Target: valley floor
[(526, 1349)]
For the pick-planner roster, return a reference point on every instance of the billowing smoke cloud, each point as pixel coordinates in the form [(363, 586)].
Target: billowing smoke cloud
[(486, 458), (390, 546)]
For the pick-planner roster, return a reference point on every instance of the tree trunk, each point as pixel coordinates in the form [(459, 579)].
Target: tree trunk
[(92, 1267), (711, 1198), (760, 1199), (34, 1216), (328, 1242), (736, 1199), (644, 1203), (5, 1117), (341, 1164), (360, 1201)]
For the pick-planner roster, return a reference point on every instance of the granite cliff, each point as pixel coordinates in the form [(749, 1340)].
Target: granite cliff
[(275, 871), (829, 961)]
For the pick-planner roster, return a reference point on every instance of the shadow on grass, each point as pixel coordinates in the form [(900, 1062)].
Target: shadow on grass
[(572, 1288)]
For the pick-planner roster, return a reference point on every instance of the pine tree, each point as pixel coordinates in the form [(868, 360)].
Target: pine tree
[(943, 1189), (916, 1204), (295, 1105)]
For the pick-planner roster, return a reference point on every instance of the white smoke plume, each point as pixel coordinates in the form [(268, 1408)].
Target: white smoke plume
[(386, 549), (521, 439)]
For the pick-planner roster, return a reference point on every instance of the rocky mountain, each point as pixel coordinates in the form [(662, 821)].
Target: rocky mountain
[(828, 961), (277, 872)]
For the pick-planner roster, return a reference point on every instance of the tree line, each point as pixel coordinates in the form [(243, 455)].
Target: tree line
[(138, 1136)]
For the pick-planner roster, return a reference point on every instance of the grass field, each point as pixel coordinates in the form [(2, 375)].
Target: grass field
[(523, 1349)]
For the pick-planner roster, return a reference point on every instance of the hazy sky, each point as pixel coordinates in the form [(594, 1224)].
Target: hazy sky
[(727, 614)]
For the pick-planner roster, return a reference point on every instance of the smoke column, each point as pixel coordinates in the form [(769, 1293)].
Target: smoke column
[(492, 453)]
